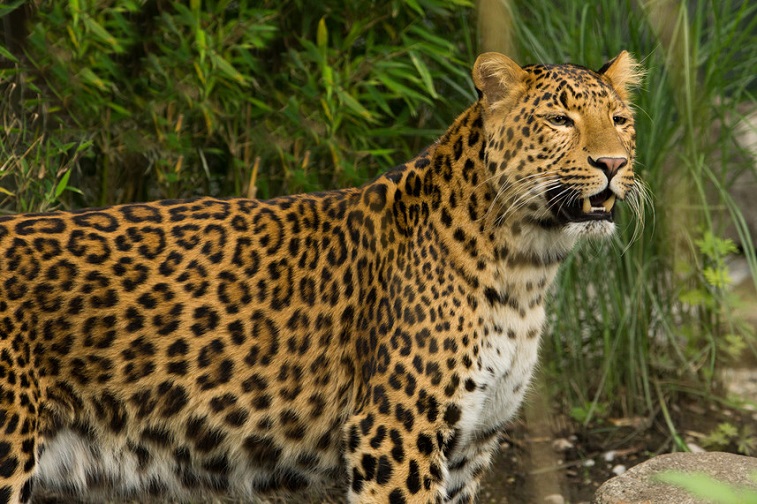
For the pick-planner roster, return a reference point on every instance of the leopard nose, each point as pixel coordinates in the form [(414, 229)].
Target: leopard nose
[(609, 165)]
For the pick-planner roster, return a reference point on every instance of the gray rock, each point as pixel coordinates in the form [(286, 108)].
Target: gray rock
[(639, 484)]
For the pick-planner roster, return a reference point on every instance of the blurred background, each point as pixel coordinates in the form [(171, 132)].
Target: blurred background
[(651, 343)]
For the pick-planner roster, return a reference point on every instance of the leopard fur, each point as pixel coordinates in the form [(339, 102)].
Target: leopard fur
[(377, 338)]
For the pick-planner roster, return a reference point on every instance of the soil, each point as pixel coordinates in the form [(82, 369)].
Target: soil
[(584, 458)]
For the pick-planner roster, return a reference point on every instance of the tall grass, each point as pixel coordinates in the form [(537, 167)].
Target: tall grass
[(638, 320)]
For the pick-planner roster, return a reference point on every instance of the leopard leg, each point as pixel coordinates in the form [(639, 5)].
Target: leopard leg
[(388, 463), (467, 467), (18, 427)]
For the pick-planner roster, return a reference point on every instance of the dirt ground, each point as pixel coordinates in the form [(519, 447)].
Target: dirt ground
[(569, 465)]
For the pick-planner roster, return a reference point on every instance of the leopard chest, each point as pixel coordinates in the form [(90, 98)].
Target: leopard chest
[(512, 322), (508, 350)]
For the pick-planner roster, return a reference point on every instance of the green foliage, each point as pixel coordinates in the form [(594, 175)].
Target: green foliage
[(596, 411), (727, 436), (35, 168), (180, 98), (715, 250), (640, 319), (711, 490)]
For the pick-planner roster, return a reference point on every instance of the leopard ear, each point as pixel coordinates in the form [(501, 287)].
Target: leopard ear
[(624, 73), (498, 79)]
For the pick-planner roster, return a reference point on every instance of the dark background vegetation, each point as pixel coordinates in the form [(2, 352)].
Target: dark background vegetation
[(113, 101)]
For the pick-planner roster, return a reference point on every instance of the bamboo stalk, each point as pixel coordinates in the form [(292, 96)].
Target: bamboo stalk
[(252, 190)]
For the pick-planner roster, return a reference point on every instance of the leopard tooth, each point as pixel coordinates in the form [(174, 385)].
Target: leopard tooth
[(609, 203), (587, 205)]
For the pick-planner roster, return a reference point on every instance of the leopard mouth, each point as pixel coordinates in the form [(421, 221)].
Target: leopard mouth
[(567, 205)]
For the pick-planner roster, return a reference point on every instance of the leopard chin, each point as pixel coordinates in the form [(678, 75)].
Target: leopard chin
[(590, 229)]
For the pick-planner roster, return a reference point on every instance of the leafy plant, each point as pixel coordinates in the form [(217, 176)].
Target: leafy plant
[(589, 411), (727, 436), (35, 168), (181, 98)]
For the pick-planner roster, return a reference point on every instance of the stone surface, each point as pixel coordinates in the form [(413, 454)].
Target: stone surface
[(639, 486)]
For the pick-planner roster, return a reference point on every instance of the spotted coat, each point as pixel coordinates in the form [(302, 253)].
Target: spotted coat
[(375, 339)]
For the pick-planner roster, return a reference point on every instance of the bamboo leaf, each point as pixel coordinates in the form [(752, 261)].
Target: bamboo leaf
[(62, 184), (119, 109), (424, 73), (9, 7), (89, 77), (101, 33), (7, 54), (200, 41), (226, 68), (74, 8), (322, 36), (354, 105)]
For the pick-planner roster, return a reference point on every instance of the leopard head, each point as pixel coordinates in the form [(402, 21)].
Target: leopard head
[(560, 140)]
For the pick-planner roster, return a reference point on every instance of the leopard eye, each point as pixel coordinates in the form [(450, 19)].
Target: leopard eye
[(560, 120), (619, 120)]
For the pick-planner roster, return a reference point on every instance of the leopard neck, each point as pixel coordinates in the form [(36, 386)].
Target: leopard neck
[(452, 183)]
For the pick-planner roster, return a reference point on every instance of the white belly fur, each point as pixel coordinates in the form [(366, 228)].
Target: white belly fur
[(100, 467), (502, 374), (72, 462)]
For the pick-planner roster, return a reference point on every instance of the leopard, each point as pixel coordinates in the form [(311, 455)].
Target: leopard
[(374, 339)]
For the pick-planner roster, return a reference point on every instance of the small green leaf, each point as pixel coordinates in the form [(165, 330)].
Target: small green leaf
[(89, 77), (379, 152), (62, 184), (84, 145), (194, 6), (326, 111), (424, 73), (579, 414), (717, 277), (118, 108), (10, 7), (328, 80), (201, 41), (694, 297), (415, 6), (354, 105), (226, 68), (101, 33), (322, 37), (75, 8), (5, 53), (264, 107)]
